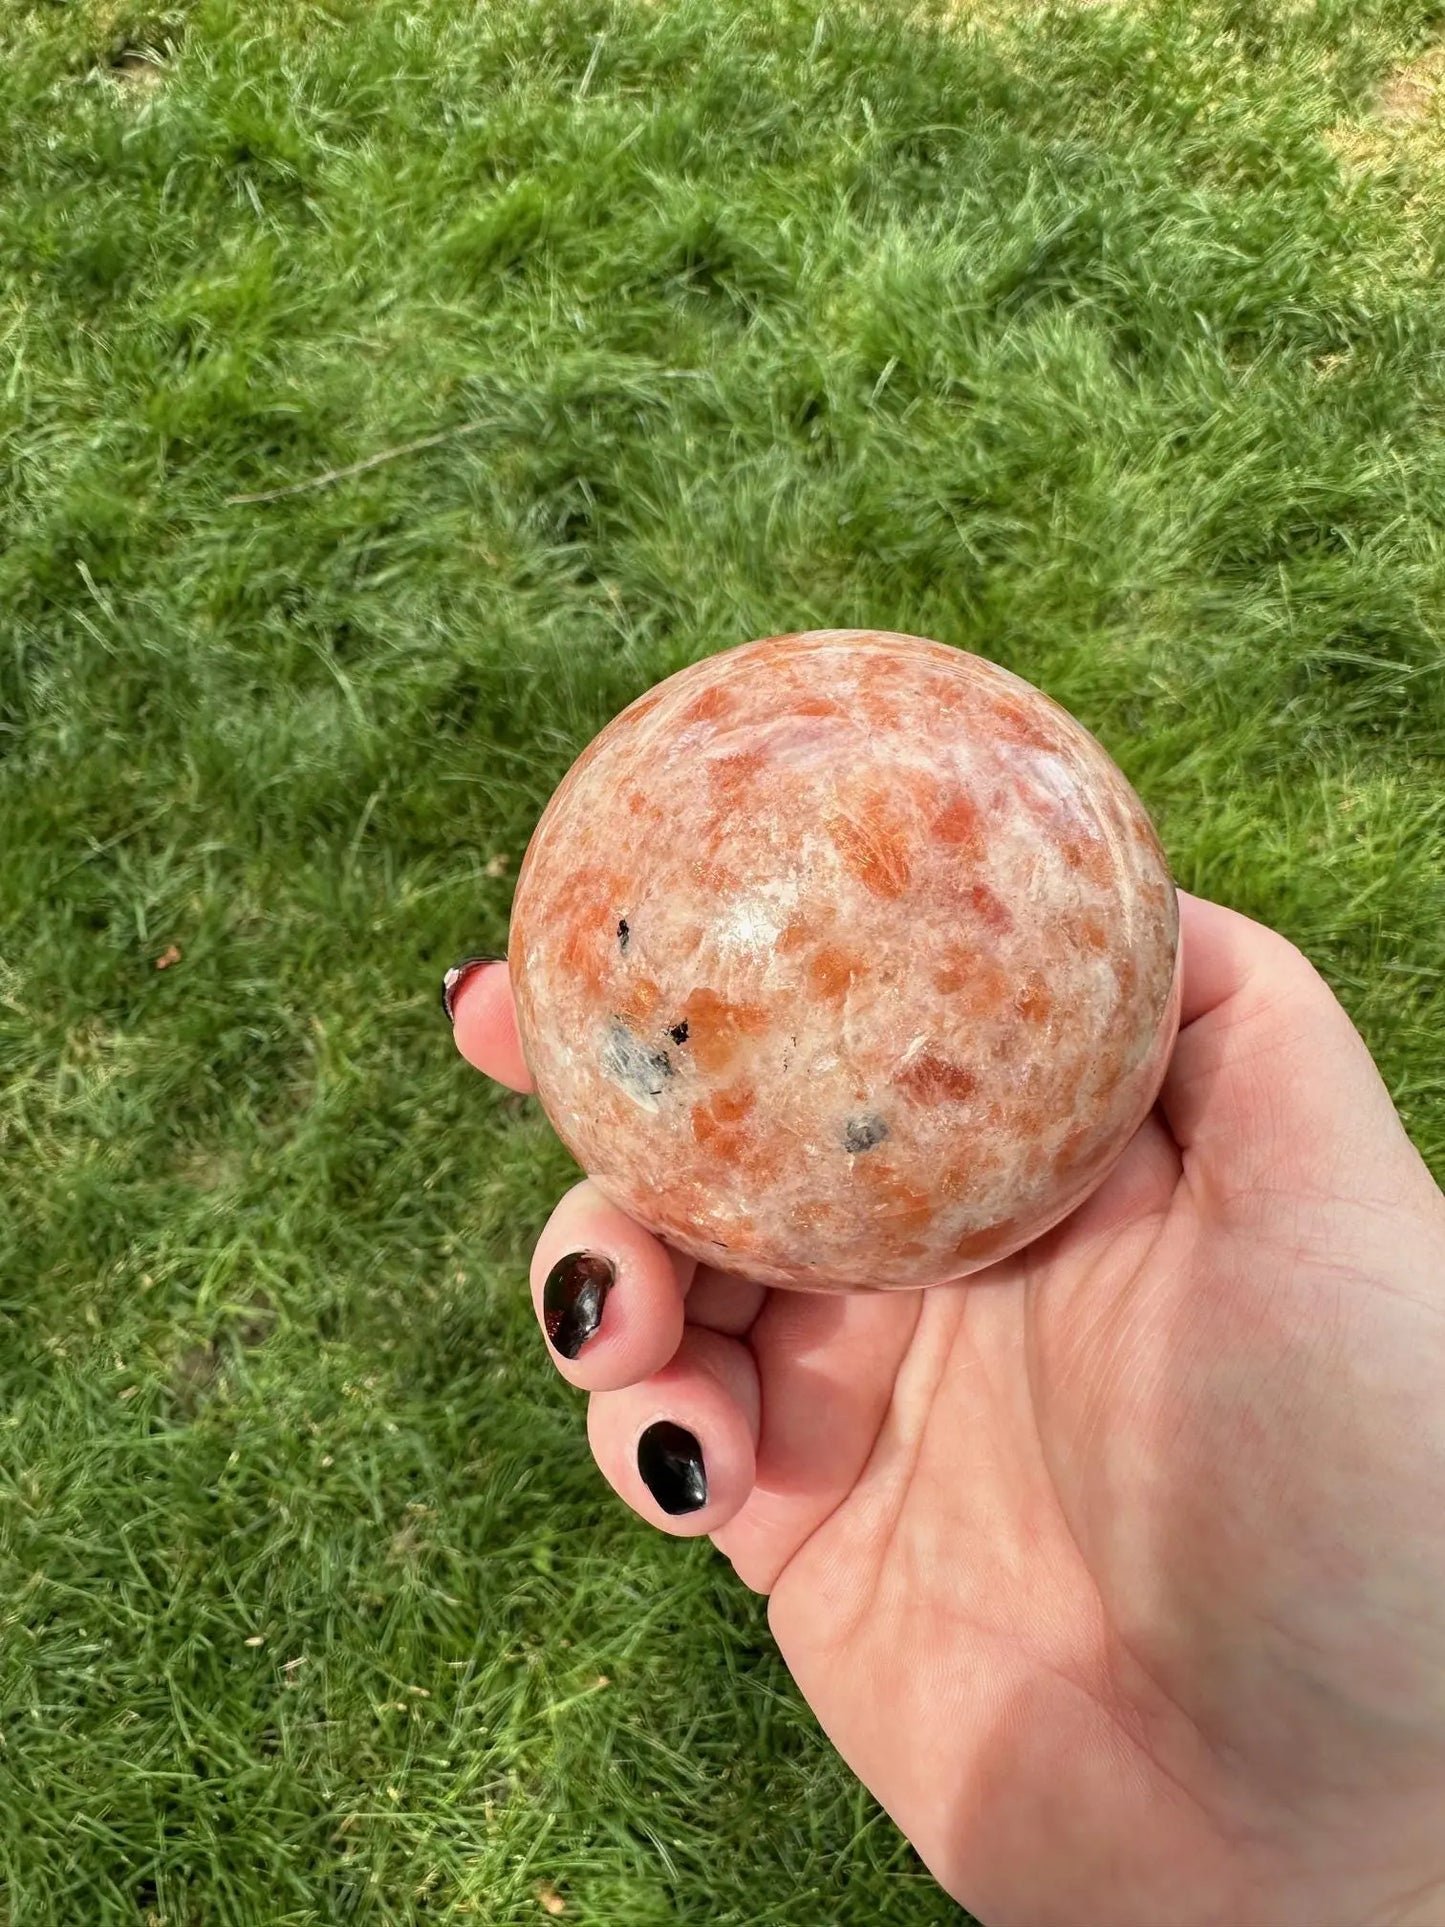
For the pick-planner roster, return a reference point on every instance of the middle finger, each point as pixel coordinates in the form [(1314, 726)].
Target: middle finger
[(607, 1293)]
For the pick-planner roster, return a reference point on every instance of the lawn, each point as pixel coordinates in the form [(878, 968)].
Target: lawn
[(1105, 340)]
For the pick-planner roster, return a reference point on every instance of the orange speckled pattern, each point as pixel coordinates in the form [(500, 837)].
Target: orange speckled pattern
[(846, 960)]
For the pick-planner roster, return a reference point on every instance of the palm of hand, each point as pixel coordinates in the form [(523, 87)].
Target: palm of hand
[(1098, 1568), (1093, 1564)]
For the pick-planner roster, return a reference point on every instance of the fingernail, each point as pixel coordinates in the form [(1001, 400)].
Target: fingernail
[(456, 977), (670, 1461), (573, 1297)]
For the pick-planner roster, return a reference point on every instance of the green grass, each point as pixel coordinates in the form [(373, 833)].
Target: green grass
[(1075, 337)]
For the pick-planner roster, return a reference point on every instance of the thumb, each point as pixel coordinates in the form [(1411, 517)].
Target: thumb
[(1270, 1085)]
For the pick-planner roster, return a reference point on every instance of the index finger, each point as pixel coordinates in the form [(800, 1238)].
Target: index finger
[(478, 995)]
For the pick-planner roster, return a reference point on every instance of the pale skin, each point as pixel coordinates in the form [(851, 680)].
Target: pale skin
[(1117, 1571)]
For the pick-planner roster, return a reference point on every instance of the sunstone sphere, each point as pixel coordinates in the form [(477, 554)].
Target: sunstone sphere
[(846, 960)]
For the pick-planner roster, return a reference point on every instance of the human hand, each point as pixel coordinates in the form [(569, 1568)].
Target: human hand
[(1117, 1571)]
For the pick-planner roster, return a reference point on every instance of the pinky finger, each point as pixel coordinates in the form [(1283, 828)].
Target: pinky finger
[(680, 1447)]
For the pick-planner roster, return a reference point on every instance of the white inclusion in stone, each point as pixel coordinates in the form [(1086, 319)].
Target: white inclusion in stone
[(756, 921), (640, 1070), (1059, 779), (915, 1049)]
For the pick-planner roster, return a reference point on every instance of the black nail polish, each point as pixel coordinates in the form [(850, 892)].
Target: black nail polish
[(573, 1297), (670, 1461), (456, 977)]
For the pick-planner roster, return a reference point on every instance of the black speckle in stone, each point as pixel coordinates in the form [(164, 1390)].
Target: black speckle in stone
[(624, 936), (678, 1033), (637, 1067), (864, 1133)]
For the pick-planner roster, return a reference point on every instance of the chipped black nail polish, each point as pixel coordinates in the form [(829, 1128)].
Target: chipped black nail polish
[(456, 977), (573, 1297), (670, 1461)]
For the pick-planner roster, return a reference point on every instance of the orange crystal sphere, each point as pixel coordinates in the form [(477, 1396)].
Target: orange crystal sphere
[(846, 960)]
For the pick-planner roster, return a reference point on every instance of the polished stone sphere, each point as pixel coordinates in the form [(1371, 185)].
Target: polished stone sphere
[(846, 960)]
